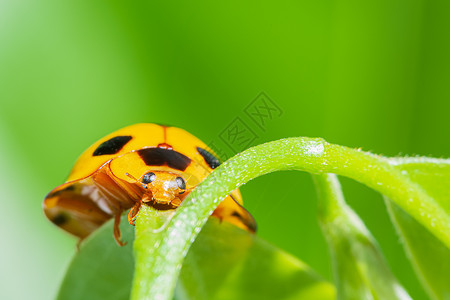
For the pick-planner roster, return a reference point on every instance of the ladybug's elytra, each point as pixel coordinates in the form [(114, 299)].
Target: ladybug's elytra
[(143, 163)]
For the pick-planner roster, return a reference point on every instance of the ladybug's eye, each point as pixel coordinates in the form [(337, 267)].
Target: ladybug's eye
[(181, 183), (149, 177)]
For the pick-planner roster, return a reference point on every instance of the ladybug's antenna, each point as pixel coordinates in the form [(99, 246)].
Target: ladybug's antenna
[(131, 176), (135, 189)]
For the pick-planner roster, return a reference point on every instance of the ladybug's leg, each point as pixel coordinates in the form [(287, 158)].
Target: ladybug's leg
[(117, 234), (133, 212)]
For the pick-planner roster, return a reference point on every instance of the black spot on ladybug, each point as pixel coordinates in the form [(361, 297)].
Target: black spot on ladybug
[(112, 146), (236, 214), (212, 161), (60, 219), (164, 157), (247, 220), (251, 225)]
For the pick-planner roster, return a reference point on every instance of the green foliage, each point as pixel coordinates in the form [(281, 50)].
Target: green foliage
[(227, 263), (370, 74), (224, 262), (359, 267), (100, 269), (430, 257), (305, 154)]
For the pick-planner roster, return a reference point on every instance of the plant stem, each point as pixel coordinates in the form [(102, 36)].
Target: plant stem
[(150, 226), (359, 268), (165, 256)]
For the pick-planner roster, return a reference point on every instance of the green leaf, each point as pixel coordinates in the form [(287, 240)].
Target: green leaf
[(224, 262), (360, 269), (429, 256), (101, 269), (159, 261)]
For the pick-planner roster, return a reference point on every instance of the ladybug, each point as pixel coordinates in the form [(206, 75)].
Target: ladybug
[(142, 164)]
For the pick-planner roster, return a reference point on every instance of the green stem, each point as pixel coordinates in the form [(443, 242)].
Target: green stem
[(150, 227), (304, 154), (358, 265), (331, 203)]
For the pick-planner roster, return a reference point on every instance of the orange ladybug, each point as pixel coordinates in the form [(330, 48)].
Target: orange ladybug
[(147, 164)]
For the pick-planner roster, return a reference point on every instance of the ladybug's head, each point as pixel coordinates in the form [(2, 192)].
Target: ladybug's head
[(164, 188)]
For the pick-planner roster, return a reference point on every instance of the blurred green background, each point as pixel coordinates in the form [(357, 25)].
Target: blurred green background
[(370, 74)]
